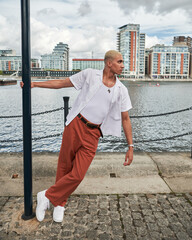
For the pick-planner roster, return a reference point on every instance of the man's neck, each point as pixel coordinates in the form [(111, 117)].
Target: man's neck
[(109, 78)]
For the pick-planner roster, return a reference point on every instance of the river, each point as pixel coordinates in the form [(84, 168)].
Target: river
[(147, 98)]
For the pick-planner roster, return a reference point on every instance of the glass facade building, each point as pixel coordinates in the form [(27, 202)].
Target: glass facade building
[(10, 62), (190, 64), (131, 44), (58, 59), (169, 62), (81, 64)]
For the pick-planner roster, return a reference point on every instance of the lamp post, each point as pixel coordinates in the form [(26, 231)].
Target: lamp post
[(27, 141)]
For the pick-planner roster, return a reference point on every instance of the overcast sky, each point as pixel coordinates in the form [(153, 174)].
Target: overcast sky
[(91, 25)]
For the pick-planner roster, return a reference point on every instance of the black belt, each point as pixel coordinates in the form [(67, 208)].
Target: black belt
[(89, 124)]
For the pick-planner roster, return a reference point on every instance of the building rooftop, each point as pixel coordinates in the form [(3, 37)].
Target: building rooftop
[(86, 59), (130, 24)]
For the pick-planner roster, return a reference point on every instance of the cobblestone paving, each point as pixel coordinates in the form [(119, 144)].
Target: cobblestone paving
[(159, 216)]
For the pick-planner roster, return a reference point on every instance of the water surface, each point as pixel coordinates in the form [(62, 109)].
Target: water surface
[(147, 98)]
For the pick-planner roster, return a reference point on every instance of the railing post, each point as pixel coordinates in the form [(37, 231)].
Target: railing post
[(66, 108), (190, 133), (191, 151), (27, 141)]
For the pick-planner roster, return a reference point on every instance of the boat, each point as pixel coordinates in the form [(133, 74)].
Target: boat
[(8, 81)]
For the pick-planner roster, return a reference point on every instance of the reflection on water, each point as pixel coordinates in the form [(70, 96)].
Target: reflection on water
[(147, 98)]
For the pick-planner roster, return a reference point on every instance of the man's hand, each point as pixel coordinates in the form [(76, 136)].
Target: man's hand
[(128, 133), (22, 84), (128, 157)]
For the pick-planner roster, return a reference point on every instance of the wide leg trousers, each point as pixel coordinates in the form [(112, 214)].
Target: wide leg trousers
[(78, 148)]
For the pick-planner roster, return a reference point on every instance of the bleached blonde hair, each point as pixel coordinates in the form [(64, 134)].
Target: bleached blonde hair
[(110, 55)]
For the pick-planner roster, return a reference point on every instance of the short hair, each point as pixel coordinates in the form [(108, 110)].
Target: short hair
[(111, 54)]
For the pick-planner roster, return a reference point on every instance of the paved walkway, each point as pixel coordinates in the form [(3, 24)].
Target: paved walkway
[(133, 216), (151, 199)]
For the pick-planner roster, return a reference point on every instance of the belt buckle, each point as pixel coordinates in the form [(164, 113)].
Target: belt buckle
[(87, 124)]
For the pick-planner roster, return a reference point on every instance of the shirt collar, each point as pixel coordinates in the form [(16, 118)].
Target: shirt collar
[(100, 73)]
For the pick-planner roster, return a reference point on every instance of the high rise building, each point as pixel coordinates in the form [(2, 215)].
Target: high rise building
[(169, 62), (81, 64), (131, 44), (190, 63), (182, 40), (8, 52), (58, 59), (147, 52)]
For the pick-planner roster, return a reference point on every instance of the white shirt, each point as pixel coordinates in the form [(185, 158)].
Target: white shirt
[(89, 81), (96, 109)]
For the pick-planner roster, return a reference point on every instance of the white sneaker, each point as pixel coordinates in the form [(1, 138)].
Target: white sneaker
[(42, 205), (58, 213)]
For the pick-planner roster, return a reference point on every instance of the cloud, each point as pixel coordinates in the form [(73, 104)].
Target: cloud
[(165, 6), (46, 11), (9, 38), (151, 41), (161, 7), (164, 27), (88, 25), (81, 43), (84, 8)]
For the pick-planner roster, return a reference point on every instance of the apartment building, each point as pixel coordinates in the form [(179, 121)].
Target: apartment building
[(131, 44), (182, 40), (58, 59), (10, 62), (190, 63), (169, 62), (81, 64)]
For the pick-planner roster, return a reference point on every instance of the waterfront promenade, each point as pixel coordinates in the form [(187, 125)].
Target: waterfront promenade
[(151, 199)]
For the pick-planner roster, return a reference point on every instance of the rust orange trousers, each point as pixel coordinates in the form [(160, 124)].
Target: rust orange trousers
[(78, 148)]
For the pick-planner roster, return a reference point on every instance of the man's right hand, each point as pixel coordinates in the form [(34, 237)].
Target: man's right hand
[(22, 84)]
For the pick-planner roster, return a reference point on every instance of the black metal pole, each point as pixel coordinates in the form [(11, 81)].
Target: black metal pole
[(191, 151), (66, 108), (26, 78)]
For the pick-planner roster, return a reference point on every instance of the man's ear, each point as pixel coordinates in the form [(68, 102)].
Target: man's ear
[(109, 62)]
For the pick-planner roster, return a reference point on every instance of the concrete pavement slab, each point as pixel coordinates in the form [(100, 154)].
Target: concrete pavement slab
[(91, 185), (175, 169), (149, 173), (140, 184), (105, 164), (105, 175), (173, 164), (45, 164), (180, 184)]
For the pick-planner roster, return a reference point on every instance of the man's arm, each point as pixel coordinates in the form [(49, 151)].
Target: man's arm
[(128, 133), (54, 84)]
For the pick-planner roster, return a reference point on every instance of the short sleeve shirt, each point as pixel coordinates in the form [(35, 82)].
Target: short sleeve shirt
[(88, 82)]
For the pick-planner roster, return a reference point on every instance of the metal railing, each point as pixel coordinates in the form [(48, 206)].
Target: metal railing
[(66, 109)]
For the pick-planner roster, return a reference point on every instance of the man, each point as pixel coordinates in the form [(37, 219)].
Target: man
[(99, 108)]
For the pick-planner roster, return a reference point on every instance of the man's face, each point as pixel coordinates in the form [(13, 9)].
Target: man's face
[(117, 64)]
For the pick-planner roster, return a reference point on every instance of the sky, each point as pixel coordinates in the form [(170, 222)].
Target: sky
[(90, 27)]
